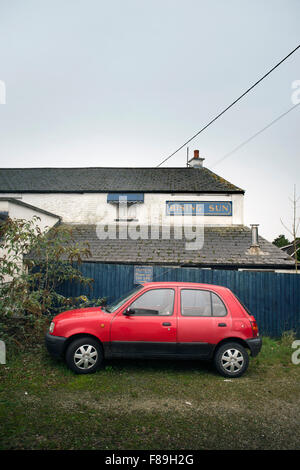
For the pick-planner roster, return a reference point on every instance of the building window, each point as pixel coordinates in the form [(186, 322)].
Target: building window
[(125, 211), (126, 205)]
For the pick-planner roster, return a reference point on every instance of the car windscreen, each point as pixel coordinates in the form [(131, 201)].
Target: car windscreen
[(111, 308)]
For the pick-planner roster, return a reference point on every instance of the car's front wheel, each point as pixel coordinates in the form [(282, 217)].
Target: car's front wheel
[(84, 355), (231, 360)]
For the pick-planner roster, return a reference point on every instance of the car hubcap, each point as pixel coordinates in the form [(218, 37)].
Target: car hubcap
[(85, 356), (232, 360)]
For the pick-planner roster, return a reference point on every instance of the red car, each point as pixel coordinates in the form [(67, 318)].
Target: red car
[(159, 320)]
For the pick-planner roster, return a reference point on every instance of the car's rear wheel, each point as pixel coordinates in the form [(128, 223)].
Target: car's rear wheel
[(84, 355), (231, 360)]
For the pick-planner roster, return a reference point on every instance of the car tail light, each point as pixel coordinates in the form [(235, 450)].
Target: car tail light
[(254, 328)]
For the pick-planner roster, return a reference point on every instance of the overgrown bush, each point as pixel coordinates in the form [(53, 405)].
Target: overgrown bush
[(33, 265)]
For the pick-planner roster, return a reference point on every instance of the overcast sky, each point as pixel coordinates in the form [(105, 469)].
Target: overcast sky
[(126, 82)]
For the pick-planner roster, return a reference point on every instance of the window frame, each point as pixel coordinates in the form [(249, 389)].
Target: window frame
[(211, 304), (120, 218), (154, 314)]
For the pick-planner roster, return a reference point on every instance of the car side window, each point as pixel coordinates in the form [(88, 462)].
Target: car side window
[(154, 302), (218, 308), (195, 303), (201, 303)]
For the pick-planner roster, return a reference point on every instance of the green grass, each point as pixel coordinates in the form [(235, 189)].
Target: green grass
[(150, 404)]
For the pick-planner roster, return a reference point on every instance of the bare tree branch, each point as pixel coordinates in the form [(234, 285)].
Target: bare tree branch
[(295, 225)]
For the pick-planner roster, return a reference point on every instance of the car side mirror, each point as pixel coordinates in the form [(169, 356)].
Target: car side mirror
[(129, 311)]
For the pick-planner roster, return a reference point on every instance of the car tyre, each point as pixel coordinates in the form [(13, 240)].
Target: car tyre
[(231, 360), (84, 355)]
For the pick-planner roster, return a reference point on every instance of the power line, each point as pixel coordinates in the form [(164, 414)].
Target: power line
[(232, 104), (255, 135)]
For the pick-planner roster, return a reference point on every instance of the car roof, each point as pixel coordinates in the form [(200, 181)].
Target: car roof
[(184, 284)]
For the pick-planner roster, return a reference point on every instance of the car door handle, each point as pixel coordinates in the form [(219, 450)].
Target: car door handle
[(166, 323), (222, 324)]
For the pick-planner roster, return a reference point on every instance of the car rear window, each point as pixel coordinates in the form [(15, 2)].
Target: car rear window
[(201, 303)]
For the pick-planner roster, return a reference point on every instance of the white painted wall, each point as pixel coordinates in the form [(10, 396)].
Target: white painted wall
[(16, 211), (92, 208)]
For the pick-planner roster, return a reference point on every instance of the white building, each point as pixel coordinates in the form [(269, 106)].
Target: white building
[(17, 209), (159, 202)]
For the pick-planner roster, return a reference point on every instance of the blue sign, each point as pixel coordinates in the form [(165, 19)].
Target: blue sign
[(199, 208), (143, 274)]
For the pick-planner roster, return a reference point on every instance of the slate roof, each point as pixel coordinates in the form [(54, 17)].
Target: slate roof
[(66, 180), (290, 249), (29, 206), (223, 247)]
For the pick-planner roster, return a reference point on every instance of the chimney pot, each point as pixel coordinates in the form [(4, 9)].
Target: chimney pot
[(196, 153), (254, 235)]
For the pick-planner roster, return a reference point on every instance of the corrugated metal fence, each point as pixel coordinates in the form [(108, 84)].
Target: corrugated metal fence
[(273, 298)]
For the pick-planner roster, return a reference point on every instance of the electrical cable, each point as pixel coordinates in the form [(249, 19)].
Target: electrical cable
[(255, 135), (231, 105)]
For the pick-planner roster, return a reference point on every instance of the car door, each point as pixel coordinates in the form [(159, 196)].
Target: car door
[(151, 330), (202, 322)]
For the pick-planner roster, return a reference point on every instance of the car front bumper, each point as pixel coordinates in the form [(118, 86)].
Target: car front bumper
[(254, 345), (55, 344)]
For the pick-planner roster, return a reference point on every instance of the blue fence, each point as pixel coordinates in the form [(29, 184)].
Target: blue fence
[(273, 298)]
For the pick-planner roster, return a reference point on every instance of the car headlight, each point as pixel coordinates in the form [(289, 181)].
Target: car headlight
[(51, 328)]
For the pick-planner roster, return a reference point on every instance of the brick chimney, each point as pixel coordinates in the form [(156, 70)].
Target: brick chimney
[(196, 161)]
